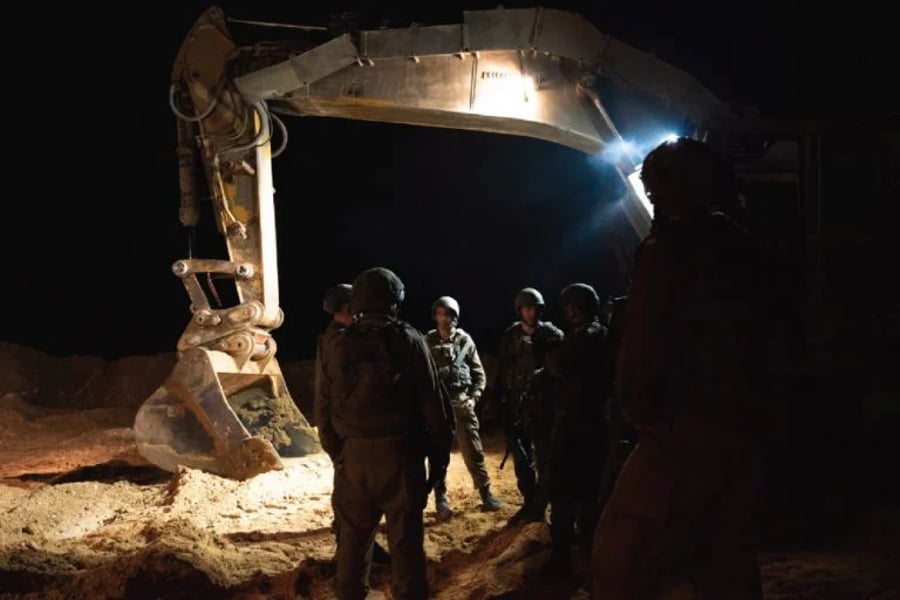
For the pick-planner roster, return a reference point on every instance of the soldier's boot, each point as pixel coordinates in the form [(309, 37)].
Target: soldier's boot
[(559, 566), (489, 502), (532, 511), (523, 514), (535, 512), (442, 506)]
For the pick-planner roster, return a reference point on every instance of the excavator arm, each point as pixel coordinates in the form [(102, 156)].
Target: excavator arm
[(530, 72)]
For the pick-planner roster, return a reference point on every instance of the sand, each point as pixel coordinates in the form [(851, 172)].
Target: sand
[(82, 515)]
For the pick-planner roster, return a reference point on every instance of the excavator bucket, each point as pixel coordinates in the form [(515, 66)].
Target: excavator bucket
[(209, 415), (225, 408)]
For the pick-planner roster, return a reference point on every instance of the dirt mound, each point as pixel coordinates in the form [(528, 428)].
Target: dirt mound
[(122, 531), (83, 515), (43, 443), (80, 381)]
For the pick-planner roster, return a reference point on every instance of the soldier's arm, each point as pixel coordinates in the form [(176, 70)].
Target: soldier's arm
[(476, 368), (642, 358), (329, 438)]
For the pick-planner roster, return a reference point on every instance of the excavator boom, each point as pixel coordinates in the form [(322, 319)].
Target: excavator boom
[(530, 72)]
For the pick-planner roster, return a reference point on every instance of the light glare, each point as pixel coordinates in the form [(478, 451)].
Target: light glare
[(638, 186)]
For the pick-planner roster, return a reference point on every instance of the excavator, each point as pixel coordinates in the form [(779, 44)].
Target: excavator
[(546, 74)]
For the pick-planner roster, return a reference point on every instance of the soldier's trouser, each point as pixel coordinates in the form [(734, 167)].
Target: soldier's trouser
[(685, 507), (375, 477), (531, 459), (469, 439), (620, 441), (574, 490)]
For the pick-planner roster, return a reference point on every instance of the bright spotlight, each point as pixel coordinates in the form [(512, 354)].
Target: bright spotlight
[(530, 87), (669, 137), (506, 93), (638, 186)]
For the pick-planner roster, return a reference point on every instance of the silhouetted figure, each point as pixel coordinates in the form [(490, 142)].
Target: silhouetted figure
[(337, 303), (520, 383), (581, 380), (687, 502), (381, 410)]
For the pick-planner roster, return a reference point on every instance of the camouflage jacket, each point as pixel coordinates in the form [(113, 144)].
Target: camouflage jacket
[(327, 435), (582, 373), (522, 361), (458, 363)]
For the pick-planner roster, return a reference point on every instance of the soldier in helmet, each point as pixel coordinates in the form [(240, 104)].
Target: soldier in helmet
[(579, 367), (462, 373), (520, 387), (686, 504), (382, 404), (337, 303)]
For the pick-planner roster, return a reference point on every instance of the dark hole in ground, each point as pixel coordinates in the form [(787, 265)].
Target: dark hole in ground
[(24, 582), (40, 477), (171, 578), (109, 472)]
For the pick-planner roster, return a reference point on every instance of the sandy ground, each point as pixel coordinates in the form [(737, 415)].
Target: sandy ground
[(83, 516)]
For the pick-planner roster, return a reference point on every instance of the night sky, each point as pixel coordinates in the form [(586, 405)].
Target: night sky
[(92, 200)]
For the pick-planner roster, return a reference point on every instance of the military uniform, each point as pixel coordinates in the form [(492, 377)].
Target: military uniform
[(462, 373), (381, 398), (335, 298), (526, 424), (686, 504), (578, 439), (621, 434), (327, 435)]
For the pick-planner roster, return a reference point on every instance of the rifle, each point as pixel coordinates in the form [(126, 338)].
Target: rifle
[(523, 405), (505, 458), (506, 454)]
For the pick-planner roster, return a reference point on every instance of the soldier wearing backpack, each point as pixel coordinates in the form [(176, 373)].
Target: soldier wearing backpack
[(337, 303), (381, 410)]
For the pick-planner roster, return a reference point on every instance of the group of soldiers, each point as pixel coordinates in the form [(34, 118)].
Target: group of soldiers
[(638, 426)]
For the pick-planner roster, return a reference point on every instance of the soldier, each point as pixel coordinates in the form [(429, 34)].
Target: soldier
[(578, 438), (462, 373), (381, 410), (337, 303), (686, 504), (520, 384)]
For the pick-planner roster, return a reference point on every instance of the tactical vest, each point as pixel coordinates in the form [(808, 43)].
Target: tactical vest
[(581, 372), (371, 391), (526, 353), (450, 358)]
